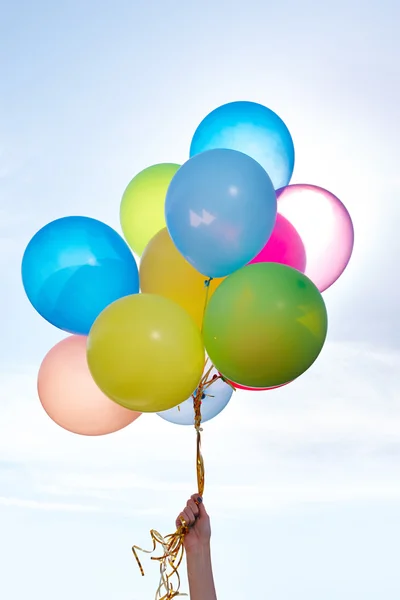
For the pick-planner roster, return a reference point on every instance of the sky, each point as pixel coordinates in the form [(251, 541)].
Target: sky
[(303, 483)]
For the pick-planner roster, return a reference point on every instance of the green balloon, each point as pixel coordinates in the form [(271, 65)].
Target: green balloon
[(265, 325), (142, 205)]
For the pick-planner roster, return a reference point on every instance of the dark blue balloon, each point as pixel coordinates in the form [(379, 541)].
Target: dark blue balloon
[(253, 129), (73, 268)]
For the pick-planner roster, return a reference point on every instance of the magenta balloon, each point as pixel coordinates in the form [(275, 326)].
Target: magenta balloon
[(284, 246), (325, 227)]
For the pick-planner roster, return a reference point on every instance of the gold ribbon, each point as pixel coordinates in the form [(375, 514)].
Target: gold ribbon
[(173, 548), (172, 544)]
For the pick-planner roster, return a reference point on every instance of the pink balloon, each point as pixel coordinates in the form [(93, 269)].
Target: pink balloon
[(284, 246), (325, 228), (70, 396)]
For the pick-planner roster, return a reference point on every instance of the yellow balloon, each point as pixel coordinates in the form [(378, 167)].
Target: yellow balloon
[(165, 272), (142, 205), (145, 353)]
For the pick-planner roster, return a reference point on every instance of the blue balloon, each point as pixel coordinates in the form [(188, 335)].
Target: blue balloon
[(73, 268), (220, 211), (215, 399), (253, 129)]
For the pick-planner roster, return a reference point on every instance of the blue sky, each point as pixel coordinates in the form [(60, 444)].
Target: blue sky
[(302, 484)]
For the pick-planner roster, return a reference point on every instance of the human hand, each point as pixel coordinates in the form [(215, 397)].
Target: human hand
[(198, 522)]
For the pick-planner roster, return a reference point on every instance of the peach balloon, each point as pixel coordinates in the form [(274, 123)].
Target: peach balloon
[(70, 396)]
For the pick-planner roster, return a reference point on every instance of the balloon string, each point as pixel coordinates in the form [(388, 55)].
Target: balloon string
[(207, 295), (173, 544), (197, 400)]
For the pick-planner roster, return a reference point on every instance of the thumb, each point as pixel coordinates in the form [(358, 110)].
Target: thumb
[(202, 510)]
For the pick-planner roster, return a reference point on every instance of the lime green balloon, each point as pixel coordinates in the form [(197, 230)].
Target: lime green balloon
[(142, 205), (265, 325)]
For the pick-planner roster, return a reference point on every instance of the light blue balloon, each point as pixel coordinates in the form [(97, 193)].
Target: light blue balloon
[(253, 129), (220, 211), (73, 268), (216, 397)]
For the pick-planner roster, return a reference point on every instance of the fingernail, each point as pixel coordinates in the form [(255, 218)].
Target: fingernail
[(199, 499)]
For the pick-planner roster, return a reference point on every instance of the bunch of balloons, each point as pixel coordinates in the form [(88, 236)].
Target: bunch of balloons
[(233, 261)]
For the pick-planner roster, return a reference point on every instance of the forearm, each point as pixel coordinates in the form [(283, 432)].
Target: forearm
[(200, 575)]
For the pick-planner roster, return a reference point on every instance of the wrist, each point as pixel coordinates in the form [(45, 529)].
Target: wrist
[(200, 550), (200, 573)]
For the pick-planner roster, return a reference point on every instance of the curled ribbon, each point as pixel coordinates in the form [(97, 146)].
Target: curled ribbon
[(173, 548)]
